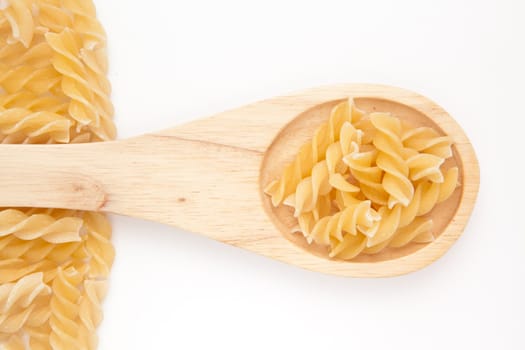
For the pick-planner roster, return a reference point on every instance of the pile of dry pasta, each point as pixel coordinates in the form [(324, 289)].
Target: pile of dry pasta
[(53, 89), (365, 182)]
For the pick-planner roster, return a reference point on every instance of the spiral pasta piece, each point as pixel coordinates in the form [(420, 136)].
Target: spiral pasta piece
[(349, 247), (65, 309), (38, 80), (348, 142), (36, 56), (30, 71), (83, 82), (36, 250), (360, 217), (34, 124), (21, 303), (11, 270), (85, 22), (434, 193), (368, 174), (98, 245), (34, 102), (391, 159), (55, 15), (418, 231), (43, 226), (388, 225), (345, 229), (425, 166), (429, 141), (427, 195), (26, 117), (19, 15), (39, 337), (90, 312), (309, 189), (315, 151), (306, 221), (12, 342)]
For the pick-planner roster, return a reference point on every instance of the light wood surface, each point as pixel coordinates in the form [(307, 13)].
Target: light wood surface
[(207, 176)]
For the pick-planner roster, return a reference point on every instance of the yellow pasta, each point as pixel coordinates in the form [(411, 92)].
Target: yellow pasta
[(22, 125), (369, 189), (90, 312), (24, 302), (349, 247), (12, 270), (427, 195), (391, 159), (364, 169), (53, 89), (315, 151), (307, 220), (418, 231), (28, 227), (98, 246), (19, 15), (323, 175), (36, 250), (434, 193), (26, 117), (83, 82), (425, 166), (354, 219), (38, 337), (429, 141), (65, 304)]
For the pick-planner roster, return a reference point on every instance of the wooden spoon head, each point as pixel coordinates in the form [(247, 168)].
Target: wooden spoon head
[(450, 216)]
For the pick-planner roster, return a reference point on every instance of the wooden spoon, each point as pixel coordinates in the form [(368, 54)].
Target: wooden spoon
[(207, 176)]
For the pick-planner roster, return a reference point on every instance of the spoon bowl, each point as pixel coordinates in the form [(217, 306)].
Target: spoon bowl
[(208, 176)]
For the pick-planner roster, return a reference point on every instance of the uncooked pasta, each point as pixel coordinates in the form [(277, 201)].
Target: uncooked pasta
[(53, 89), (366, 181), (325, 146)]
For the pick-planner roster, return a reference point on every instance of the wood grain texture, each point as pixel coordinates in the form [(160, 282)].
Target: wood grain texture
[(206, 177)]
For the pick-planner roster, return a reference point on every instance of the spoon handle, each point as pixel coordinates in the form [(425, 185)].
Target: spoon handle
[(160, 177), (55, 176)]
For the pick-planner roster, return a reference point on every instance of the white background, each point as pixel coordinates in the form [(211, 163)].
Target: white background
[(174, 61)]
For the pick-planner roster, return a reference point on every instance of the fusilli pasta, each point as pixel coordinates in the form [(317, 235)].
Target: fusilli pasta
[(24, 302), (370, 188), (65, 305), (391, 158), (310, 154), (27, 227), (363, 168), (427, 140), (53, 89)]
